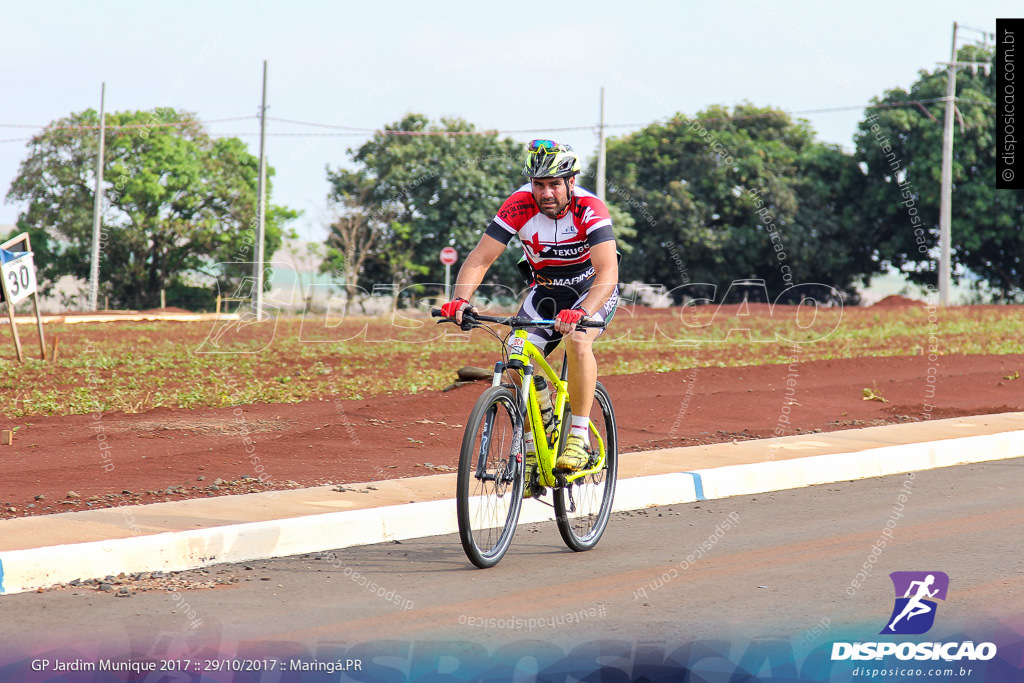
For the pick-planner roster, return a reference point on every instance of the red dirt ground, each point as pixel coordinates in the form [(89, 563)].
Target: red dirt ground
[(169, 454), (898, 300)]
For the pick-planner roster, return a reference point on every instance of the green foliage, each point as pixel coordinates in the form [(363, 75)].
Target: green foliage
[(733, 195), (420, 192), (624, 227), (177, 201), (191, 297), (901, 147)]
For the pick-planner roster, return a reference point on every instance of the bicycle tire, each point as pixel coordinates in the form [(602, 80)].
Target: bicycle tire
[(488, 506), (593, 494)]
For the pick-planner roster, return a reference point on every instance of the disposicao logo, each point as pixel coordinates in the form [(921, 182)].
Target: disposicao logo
[(916, 595), (913, 614)]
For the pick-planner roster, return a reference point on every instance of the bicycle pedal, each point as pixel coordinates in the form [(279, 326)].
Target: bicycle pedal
[(560, 476)]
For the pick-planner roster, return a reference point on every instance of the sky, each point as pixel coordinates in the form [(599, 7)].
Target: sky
[(525, 68)]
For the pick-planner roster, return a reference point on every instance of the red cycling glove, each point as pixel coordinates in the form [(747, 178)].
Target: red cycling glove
[(448, 310), (571, 316)]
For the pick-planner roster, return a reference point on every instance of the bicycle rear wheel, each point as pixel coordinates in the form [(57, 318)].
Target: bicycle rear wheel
[(582, 508), (490, 482)]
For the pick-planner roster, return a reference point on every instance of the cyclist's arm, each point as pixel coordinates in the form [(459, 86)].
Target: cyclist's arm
[(476, 265), (606, 269)]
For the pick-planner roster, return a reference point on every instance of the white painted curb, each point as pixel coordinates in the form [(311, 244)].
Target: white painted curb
[(26, 570), (739, 480), (30, 569)]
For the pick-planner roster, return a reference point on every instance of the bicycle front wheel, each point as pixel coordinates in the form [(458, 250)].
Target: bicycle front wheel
[(583, 507), (490, 481)]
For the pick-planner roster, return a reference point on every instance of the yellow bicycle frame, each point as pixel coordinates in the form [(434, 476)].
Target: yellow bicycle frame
[(522, 350)]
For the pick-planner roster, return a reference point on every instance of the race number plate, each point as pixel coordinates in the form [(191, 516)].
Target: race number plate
[(20, 277), (517, 345)]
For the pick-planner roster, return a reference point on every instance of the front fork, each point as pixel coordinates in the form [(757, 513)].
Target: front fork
[(524, 388), (517, 433)]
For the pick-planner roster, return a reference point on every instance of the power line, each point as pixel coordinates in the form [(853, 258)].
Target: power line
[(354, 131), (321, 125), (881, 105), (127, 126)]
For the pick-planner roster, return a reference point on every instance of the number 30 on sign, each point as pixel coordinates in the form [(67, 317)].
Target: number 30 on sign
[(19, 277)]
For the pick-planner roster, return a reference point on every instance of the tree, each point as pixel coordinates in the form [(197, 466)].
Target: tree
[(422, 187), (901, 148), (736, 195), (177, 202), (836, 241), (353, 236), (306, 259)]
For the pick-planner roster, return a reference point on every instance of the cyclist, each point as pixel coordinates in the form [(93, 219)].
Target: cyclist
[(567, 239)]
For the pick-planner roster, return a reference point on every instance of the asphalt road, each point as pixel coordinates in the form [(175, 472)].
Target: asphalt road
[(792, 571)]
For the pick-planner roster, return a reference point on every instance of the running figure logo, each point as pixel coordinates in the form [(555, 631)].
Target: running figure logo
[(914, 612)]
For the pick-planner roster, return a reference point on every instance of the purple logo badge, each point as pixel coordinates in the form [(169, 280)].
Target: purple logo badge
[(916, 595)]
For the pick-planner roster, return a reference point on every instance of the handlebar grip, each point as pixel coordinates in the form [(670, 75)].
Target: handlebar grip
[(468, 319)]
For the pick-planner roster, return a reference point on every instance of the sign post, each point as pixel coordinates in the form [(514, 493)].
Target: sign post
[(448, 257), (17, 283)]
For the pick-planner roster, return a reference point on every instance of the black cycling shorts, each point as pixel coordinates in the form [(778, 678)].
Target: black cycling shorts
[(545, 304)]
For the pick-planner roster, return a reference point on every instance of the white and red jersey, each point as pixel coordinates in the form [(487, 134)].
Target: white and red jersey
[(557, 249)]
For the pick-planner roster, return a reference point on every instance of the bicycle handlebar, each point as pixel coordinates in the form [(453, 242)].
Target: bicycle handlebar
[(512, 321)]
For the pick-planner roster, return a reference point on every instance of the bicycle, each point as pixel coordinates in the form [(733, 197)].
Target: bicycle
[(492, 477)]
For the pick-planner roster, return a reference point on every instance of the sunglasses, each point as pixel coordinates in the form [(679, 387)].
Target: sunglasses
[(545, 147)]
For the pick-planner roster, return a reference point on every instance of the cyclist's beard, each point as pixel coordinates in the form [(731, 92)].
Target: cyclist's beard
[(552, 209)]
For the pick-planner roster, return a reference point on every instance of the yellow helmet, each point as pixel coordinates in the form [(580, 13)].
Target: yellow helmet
[(549, 159)]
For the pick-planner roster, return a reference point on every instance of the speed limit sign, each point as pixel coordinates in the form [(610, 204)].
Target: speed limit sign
[(19, 277), (17, 283)]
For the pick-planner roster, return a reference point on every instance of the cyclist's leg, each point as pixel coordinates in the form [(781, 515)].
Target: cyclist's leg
[(579, 348)]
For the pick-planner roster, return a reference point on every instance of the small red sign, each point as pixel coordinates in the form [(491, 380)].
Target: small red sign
[(449, 256)]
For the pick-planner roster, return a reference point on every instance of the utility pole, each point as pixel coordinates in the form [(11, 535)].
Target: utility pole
[(600, 152), (946, 198), (97, 210), (261, 200)]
